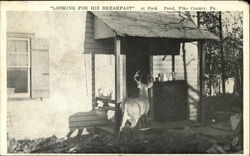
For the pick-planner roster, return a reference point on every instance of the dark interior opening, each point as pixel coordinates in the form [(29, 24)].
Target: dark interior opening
[(136, 61)]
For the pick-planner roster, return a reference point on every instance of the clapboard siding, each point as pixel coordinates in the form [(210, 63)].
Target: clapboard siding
[(102, 30), (104, 46), (89, 25), (89, 30), (165, 66)]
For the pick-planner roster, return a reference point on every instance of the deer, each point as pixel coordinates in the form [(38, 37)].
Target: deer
[(135, 108), (107, 96)]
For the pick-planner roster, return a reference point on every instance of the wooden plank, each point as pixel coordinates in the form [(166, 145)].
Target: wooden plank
[(97, 51), (89, 25), (87, 118), (89, 41), (89, 35), (91, 113), (184, 60), (89, 30), (173, 64), (164, 65), (93, 81), (117, 50), (87, 123), (101, 30), (21, 35), (98, 46), (162, 70), (124, 76), (105, 100), (150, 91), (90, 19), (160, 57), (107, 108)]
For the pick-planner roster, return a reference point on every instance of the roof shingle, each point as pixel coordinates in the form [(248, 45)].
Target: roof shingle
[(153, 24)]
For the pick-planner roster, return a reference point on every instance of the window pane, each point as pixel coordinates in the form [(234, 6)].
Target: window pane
[(18, 80), (11, 60), (23, 60), (22, 46), (11, 46)]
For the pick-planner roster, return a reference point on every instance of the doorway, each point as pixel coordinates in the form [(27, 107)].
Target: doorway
[(135, 61)]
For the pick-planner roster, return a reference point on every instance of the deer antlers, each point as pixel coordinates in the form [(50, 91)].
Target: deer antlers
[(108, 95), (150, 83), (136, 75)]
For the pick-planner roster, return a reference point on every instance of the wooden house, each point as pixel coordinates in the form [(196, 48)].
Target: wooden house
[(154, 43)]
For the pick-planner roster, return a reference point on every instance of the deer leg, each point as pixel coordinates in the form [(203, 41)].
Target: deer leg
[(79, 132), (134, 122), (141, 122), (124, 120), (70, 132)]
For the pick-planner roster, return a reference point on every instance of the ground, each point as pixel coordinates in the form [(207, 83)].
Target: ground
[(184, 137), (222, 132)]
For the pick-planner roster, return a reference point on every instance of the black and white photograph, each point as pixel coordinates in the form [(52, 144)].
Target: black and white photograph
[(95, 79)]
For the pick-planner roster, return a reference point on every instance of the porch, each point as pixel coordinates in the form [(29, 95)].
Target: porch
[(146, 41)]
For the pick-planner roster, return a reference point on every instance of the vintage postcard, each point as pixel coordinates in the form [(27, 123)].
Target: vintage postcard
[(124, 77)]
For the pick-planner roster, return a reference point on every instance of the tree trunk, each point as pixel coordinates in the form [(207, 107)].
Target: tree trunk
[(222, 56), (184, 60), (210, 78)]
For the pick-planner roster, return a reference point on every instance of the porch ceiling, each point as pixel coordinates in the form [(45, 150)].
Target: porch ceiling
[(154, 24)]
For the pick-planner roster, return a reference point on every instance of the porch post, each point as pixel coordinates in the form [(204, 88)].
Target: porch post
[(93, 80), (173, 63), (151, 102), (117, 51)]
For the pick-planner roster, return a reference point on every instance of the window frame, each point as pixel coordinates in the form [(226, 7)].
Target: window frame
[(18, 53), (25, 37)]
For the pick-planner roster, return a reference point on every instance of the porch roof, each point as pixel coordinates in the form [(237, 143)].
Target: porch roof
[(174, 25)]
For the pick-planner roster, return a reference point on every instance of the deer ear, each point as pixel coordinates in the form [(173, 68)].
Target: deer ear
[(150, 85), (151, 82)]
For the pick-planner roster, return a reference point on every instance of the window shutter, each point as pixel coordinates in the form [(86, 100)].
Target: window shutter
[(39, 68)]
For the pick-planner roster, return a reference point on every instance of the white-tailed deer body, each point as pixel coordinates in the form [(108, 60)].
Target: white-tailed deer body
[(134, 108)]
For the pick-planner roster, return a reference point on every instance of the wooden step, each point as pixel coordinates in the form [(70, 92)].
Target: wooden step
[(83, 124), (107, 108)]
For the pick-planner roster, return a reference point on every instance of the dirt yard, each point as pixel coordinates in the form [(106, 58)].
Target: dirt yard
[(217, 138)]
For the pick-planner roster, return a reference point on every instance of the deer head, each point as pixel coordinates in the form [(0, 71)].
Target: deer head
[(140, 84)]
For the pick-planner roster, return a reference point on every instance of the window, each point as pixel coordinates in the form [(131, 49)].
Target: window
[(27, 66), (18, 67)]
